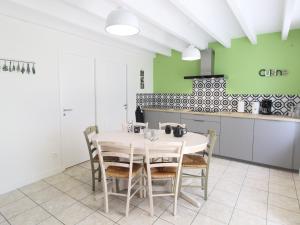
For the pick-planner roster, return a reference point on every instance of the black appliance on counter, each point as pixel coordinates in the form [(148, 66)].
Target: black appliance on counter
[(139, 115), (265, 107)]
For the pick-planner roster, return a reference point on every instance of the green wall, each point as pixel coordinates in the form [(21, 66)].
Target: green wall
[(240, 64), (168, 73)]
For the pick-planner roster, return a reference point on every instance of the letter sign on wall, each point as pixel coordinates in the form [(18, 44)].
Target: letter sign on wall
[(272, 72)]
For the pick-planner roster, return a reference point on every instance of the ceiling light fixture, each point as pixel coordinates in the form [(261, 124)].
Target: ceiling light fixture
[(190, 53), (121, 22)]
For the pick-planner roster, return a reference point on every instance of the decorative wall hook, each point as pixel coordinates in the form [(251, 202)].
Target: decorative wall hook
[(11, 65)]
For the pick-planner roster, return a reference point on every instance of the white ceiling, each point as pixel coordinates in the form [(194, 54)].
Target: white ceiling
[(174, 24)]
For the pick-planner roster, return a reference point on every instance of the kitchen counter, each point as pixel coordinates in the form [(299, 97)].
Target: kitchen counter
[(228, 114)]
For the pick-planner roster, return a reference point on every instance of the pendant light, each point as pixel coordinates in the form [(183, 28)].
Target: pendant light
[(121, 22), (190, 53)]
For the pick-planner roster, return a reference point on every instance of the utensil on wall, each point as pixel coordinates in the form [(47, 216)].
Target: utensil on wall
[(18, 67), (33, 69), (23, 69), (4, 68), (11, 65), (9, 69), (28, 68)]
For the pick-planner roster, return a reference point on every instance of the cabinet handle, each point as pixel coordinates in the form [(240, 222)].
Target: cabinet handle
[(199, 120)]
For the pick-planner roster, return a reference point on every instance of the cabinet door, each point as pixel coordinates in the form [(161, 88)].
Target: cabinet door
[(201, 126), (236, 138), (296, 156), (154, 117), (273, 143)]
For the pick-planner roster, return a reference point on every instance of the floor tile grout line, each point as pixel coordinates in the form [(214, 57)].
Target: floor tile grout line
[(76, 201), (25, 196), (208, 196), (268, 197), (42, 208), (5, 219), (297, 193), (238, 196), (82, 182)]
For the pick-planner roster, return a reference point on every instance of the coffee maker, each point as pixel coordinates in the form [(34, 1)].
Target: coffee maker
[(265, 107)]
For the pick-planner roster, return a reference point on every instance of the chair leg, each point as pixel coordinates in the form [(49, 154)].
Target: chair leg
[(128, 197), (202, 179), (105, 194), (141, 185), (177, 186), (206, 186), (99, 174), (145, 189), (180, 182), (93, 180), (150, 195), (172, 185), (117, 187)]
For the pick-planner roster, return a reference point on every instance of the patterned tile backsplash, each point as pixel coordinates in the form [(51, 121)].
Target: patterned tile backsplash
[(209, 95)]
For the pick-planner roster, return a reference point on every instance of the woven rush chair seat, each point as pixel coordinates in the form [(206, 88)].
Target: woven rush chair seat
[(163, 172), (195, 161), (122, 172)]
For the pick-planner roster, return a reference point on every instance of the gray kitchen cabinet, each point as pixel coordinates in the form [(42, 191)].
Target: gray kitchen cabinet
[(201, 124), (154, 117), (296, 155), (236, 138), (210, 118), (274, 143)]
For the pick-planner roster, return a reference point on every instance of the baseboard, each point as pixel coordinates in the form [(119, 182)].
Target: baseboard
[(31, 179)]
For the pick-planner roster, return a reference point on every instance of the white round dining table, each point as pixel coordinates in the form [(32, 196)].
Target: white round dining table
[(193, 143)]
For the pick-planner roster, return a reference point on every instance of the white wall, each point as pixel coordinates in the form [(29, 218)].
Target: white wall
[(30, 108)]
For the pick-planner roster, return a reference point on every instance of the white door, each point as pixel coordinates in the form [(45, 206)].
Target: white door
[(111, 97), (77, 80)]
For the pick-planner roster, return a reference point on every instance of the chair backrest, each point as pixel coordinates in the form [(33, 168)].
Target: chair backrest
[(171, 150), (109, 151), (212, 137), (88, 133), (163, 125)]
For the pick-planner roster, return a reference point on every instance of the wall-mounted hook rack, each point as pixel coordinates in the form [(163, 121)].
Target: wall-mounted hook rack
[(12, 65)]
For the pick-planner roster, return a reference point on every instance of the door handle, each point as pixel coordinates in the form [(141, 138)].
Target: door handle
[(68, 110)]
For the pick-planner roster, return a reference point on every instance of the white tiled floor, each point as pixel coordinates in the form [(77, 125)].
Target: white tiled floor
[(239, 194)]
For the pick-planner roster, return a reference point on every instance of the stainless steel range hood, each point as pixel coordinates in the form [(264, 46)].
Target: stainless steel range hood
[(207, 66)]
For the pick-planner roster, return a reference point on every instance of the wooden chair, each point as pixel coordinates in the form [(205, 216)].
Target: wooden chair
[(164, 170), (163, 125), (200, 161), (88, 133), (128, 169)]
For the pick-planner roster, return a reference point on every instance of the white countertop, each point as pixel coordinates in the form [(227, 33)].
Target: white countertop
[(228, 114)]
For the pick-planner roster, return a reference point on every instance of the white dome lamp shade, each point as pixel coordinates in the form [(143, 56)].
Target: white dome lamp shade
[(122, 23), (191, 53)]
